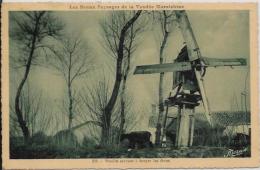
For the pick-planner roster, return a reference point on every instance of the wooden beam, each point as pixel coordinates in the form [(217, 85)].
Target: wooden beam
[(184, 128), (178, 126), (188, 35), (203, 96), (215, 62), (164, 122), (160, 68), (192, 122)]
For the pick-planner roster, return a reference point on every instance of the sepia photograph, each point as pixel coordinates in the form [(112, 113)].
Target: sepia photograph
[(129, 84)]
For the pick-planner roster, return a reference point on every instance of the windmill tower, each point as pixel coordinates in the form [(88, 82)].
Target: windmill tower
[(189, 68)]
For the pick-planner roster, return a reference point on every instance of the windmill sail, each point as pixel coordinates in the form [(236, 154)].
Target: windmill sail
[(159, 68), (203, 96), (188, 35), (216, 62)]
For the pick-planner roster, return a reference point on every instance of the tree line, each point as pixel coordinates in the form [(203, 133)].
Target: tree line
[(41, 40)]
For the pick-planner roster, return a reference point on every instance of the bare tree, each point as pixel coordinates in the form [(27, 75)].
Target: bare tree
[(117, 30), (73, 61), (165, 19), (30, 29), (131, 44), (35, 114), (94, 100)]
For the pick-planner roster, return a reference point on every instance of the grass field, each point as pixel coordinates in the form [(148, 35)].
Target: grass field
[(47, 151)]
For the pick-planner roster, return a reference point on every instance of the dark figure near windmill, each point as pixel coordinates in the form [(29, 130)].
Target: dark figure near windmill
[(240, 140), (137, 139)]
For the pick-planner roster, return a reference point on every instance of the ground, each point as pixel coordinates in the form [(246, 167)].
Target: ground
[(44, 152)]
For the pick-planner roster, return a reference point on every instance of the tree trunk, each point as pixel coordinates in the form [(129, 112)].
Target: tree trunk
[(122, 115), (105, 137), (120, 54), (105, 130), (69, 84), (161, 102), (161, 109), (70, 107), (123, 95), (18, 111), (123, 98)]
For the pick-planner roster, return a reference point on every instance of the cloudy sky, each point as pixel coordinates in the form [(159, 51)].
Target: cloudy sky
[(220, 34)]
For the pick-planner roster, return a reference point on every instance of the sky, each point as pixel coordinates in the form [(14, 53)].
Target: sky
[(220, 34)]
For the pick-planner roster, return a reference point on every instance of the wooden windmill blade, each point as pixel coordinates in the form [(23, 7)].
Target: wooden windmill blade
[(216, 62), (188, 35), (160, 68), (204, 97), (193, 54)]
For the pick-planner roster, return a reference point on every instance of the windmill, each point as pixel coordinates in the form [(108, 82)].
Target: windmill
[(188, 69)]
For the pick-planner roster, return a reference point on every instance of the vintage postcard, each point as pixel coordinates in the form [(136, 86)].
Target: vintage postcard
[(129, 85)]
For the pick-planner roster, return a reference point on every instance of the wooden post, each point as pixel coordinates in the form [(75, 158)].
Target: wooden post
[(177, 125), (164, 123), (184, 129), (192, 122)]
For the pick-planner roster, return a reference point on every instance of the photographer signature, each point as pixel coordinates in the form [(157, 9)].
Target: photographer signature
[(234, 153)]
